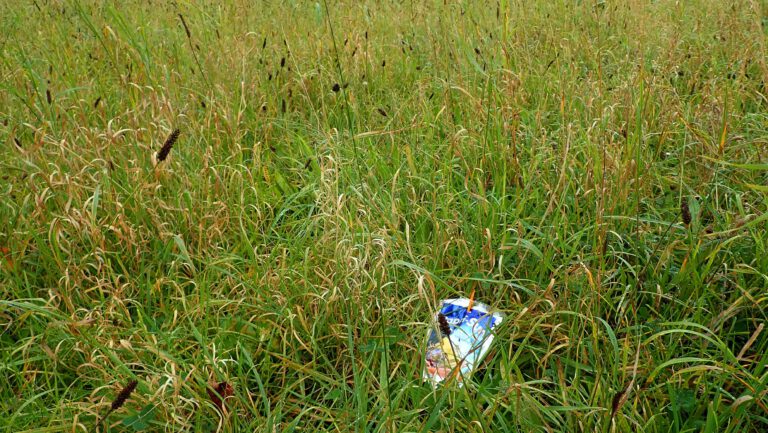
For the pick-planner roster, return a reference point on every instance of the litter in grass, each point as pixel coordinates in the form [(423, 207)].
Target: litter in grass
[(461, 335)]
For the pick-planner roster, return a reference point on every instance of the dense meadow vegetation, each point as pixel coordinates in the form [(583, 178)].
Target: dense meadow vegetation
[(595, 170)]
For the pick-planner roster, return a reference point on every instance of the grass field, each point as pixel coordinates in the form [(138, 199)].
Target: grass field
[(596, 170)]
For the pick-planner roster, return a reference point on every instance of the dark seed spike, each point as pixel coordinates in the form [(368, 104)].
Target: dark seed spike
[(442, 323), (169, 142), (123, 395), (186, 29), (685, 211), (620, 399), (615, 403)]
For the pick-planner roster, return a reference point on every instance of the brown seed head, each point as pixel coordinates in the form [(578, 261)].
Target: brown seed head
[(124, 394), (685, 211), (168, 145), (442, 323)]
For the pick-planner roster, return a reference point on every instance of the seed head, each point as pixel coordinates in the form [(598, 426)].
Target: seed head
[(685, 211), (123, 395), (442, 323), (168, 145)]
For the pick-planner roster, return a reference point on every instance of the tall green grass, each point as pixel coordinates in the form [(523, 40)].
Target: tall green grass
[(343, 166)]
